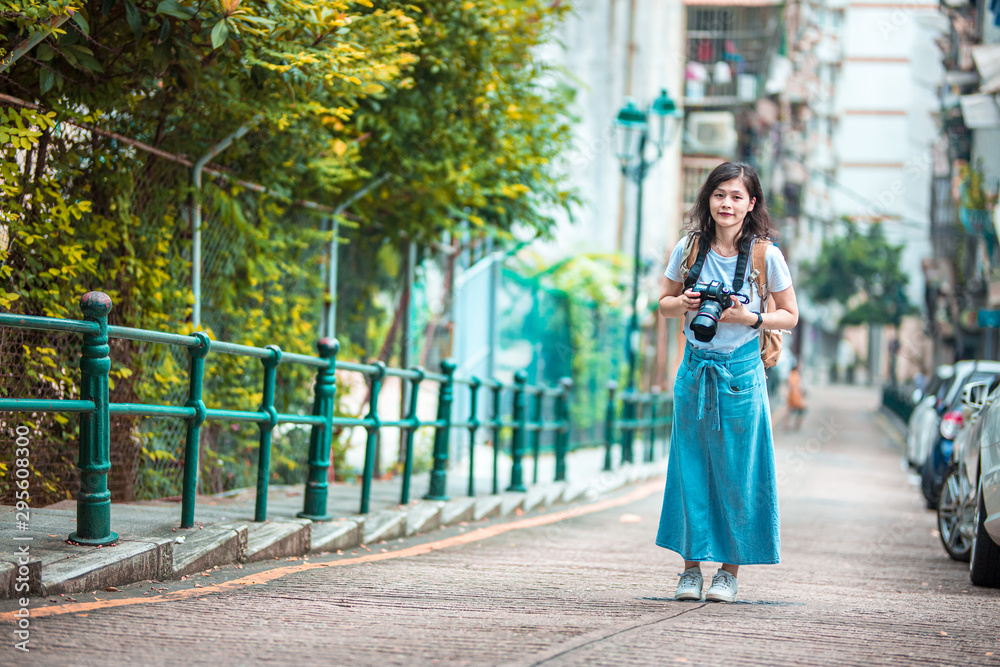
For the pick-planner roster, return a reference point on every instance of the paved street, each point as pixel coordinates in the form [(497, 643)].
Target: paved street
[(863, 581)]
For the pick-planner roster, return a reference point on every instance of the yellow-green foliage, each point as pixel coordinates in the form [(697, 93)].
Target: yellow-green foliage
[(443, 101)]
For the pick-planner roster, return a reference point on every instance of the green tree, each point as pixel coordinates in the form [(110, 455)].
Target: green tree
[(441, 104), (860, 270)]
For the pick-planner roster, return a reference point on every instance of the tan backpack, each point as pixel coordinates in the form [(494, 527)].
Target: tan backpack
[(770, 339)]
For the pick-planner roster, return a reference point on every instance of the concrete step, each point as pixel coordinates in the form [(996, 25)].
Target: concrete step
[(511, 502), (384, 525), (276, 539), (534, 498), (553, 493), (337, 535), (98, 568), (575, 491), (423, 517), (208, 547), (458, 510), (8, 579), (487, 507)]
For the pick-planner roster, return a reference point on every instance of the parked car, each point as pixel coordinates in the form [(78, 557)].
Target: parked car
[(935, 462), (974, 482), (957, 502), (923, 422)]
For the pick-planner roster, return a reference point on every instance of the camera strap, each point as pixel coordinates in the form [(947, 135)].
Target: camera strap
[(741, 266), (699, 262)]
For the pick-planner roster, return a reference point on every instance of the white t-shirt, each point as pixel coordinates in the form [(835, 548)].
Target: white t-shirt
[(730, 336)]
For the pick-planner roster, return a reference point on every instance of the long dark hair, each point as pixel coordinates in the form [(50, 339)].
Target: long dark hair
[(757, 221)]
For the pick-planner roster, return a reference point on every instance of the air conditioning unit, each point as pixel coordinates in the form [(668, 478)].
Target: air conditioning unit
[(711, 133)]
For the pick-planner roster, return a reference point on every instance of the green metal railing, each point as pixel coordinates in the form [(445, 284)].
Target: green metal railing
[(646, 417), (899, 400), (94, 408)]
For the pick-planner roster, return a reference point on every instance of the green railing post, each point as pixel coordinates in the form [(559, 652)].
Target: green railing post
[(562, 435), (651, 447), (373, 429), (536, 433), (520, 430), (473, 427), (410, 433), (192, 442), (264, 452), (93, 503), (442, 434), (628, 430), (638, 411), (497, 420), (321, 436), (609, 425)]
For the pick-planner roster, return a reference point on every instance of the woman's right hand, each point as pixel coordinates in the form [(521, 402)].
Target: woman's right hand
[(675, 301), (691, 300)]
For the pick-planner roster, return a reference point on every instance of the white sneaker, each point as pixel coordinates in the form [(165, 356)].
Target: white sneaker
[(723, 588), (689, 587)]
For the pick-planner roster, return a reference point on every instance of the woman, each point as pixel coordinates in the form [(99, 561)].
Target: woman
[(720, 502)]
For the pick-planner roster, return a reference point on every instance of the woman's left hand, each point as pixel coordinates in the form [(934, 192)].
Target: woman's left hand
[(738, 314)]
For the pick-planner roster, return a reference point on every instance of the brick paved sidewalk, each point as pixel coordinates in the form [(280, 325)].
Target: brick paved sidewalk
[(153, 547), (863, 581)]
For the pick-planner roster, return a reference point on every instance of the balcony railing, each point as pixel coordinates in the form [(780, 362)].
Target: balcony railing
[(729, 51)]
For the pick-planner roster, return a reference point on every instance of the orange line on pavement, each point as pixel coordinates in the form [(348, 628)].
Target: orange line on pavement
[(416, 550)]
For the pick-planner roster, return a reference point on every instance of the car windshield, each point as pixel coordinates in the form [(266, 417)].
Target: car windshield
[(934, 386), (945, 388)]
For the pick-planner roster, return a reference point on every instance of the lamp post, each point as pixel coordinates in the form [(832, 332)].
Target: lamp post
[(635, 133)]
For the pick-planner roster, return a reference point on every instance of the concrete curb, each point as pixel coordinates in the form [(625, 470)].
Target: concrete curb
[(59, 567), (487, 508), (337, 535), (277, 539), (216, 545), (384, 525), (127, 562), (422, 518)]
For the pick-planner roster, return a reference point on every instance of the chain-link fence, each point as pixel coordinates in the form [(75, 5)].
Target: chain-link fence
[(553, 335)]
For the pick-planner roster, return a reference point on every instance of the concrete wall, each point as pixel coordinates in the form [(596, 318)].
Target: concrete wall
[(880, 132), (596, 38), (886, 100)]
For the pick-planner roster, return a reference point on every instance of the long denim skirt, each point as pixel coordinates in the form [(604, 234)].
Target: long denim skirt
[(721, 500)]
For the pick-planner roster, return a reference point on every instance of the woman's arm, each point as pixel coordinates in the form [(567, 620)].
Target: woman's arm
[(784, 316), (674, 301), (786, 311)]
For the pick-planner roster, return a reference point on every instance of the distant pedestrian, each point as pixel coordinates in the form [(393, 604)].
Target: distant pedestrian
[(796, 399), (720, 503)]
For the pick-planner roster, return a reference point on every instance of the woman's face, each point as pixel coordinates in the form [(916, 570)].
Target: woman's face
[(729, 204)]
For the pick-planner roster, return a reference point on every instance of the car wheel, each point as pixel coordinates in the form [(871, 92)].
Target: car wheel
[(984, 565), (956, 514), (927, 486)]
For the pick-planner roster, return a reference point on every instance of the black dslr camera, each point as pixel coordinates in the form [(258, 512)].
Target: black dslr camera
[(715, 298)]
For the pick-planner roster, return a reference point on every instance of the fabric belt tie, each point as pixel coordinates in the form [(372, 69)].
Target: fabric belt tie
[(701, 371)]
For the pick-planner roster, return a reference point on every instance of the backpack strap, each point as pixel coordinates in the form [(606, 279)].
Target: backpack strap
[(693, 259), (758, 269)]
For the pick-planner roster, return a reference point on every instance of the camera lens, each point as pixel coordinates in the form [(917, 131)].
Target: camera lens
[(705, 323)]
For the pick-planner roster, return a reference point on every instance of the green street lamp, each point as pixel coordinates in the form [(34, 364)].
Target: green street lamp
[(637, 129)]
